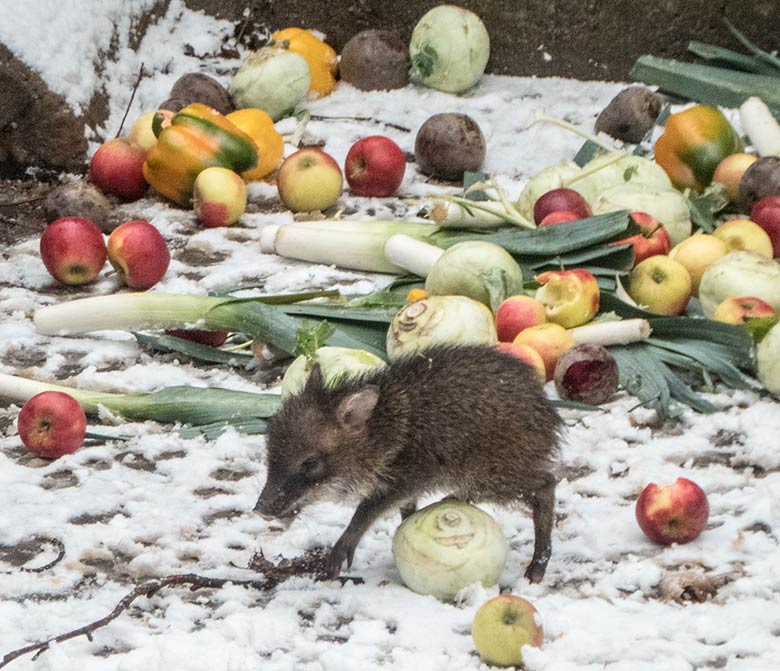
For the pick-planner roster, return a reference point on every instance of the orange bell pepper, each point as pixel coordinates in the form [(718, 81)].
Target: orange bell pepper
[(199, 137), (320, 56), (694, 141), (269, 142)]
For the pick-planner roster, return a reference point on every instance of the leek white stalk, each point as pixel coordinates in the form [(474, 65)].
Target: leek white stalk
[(617, 332), (190, 405), (356, 245), (125, 312), (416, 256), (761, 127)]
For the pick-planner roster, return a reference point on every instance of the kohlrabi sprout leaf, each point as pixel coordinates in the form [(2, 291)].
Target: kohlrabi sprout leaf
[(722, 57), (758, 327), (641, 375), (168, 343), (311, 336), (499, 287), (705, 206)]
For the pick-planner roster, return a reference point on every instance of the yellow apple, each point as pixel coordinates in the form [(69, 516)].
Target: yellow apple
[(730, 170), (570, 297), (743, 235), (309, 180), (549, 340), (502, 626), (661, 284), (698, 253), (141, 133)]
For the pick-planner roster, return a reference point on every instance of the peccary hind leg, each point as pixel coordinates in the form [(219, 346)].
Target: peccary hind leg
[(542, 506)]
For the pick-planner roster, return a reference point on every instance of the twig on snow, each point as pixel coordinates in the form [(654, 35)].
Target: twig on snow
[(310, 563), (130, 102)]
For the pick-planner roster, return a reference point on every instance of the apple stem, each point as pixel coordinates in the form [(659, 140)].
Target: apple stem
[(410, 254)]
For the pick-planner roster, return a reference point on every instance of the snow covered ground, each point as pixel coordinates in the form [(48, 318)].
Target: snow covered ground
[(158, 504)]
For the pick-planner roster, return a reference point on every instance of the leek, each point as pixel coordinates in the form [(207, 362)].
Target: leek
[(460, 212), (267, 323), (188, 405), (356, 245)]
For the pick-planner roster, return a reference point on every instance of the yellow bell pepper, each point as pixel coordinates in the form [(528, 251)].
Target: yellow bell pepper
[(270, 143), (199, 137), (320, 56), (694, 141)]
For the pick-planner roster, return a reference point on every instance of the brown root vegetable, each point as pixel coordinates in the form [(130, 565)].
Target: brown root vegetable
[(195, 87), (586, 373), (447, 145), (375, 60), (761, 179), (172, 104), (78, 199), (630, 114)]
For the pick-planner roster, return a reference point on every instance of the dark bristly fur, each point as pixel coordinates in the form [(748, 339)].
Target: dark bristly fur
[(462, 420)]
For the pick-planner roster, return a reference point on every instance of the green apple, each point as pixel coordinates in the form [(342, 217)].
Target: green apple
[(661, 284), (502, 626), (309, 180)]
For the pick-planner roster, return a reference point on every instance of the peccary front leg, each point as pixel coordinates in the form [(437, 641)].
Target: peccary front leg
[(365, 514), (542, 507)]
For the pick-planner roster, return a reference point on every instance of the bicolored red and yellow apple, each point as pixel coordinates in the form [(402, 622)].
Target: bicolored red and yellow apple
[(738, 309), (527, 355), (549, 340), (52, 424), (517, 313), (219, 197), (676, 513), (73, 250), (138, 253), (558, 217), (730, 170), (503, 626), (661, 284), (570, 297), (309, 180), (141, 133)]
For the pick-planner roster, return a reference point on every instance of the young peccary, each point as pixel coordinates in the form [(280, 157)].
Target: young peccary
[(463, 420)]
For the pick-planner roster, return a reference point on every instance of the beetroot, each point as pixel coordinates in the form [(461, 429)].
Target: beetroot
[(586, 373)]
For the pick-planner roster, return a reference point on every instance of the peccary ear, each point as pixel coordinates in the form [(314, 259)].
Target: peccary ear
[(314, 381), (355, 409)]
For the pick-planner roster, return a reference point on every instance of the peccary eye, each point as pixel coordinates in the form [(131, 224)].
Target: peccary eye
[(313, 468)]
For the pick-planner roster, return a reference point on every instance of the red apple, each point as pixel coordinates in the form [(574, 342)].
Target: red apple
[(200, 336), (557, 200), (73, 250), (517, 313), (676, 513), (138, 253), (558, 217), (309, 180), (549, 340), (374, 167), (738, 309), (653, 240), (766, 213), (51, 424), (117, 169)]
